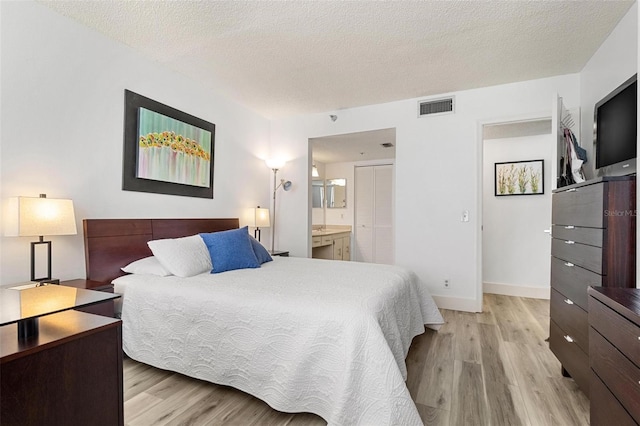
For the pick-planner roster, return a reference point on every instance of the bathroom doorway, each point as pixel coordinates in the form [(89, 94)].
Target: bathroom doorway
[(335, 161)]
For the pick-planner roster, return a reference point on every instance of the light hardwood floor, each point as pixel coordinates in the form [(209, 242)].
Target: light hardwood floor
[(493, 368)]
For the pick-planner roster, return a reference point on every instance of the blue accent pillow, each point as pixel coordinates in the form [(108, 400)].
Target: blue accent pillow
[(261, 253), (230, 250)]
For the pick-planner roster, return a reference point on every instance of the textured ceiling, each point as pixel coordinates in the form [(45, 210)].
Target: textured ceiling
[(360, 146), (284, 58)]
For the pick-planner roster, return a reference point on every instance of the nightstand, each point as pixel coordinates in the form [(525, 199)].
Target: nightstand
[(70, 373), (279, 253), (106, 308)]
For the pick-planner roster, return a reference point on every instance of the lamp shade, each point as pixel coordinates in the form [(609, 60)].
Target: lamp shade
[(31, 216), (275, 163), (260, 218)]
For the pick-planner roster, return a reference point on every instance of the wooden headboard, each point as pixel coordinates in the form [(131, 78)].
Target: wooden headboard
[(110, 244)]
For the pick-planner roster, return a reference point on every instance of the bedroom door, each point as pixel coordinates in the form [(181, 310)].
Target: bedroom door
[(374, 214)]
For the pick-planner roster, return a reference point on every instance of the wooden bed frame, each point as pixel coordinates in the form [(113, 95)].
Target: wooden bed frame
[(110, 244)]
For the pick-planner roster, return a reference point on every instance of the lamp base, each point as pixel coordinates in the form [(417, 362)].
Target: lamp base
[(33, 260), (27, 328)]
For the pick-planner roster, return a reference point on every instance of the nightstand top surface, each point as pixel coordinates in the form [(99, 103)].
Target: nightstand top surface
[(28, 301)]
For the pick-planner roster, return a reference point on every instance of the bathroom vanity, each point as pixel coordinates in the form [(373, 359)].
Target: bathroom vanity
[(331, 242)]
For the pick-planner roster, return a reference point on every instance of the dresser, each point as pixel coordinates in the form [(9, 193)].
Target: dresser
[(614, 355), (593, 244)]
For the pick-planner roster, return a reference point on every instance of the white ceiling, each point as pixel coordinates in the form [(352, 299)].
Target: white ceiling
[(360, 146), (284, 58)]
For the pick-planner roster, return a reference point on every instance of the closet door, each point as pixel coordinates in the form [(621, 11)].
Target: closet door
[(364, 214), (374, 214), (382, 214)]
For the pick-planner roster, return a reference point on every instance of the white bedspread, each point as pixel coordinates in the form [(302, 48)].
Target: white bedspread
[(326, 337)]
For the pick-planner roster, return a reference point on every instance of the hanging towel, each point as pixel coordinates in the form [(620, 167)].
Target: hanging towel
[(580, 151), (575, 162)]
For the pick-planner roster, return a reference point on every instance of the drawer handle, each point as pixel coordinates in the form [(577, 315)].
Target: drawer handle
[(568, 301), (569, 242), (568, 339), (572, 190), (569, 264), (570, 227)]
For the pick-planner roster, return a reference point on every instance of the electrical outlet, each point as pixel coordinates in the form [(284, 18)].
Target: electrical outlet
[(447, 284)]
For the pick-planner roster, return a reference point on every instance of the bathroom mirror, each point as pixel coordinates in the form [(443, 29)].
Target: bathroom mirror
[(317, 193), (336, 193)]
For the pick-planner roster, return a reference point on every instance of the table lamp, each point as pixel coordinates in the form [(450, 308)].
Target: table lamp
[(259, 219), (40, 216)]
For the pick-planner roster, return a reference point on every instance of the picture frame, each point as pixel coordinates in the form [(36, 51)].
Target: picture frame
[(519, 178), (166, 151)]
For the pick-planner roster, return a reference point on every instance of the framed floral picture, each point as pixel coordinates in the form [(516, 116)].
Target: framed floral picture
[(166, 151), (519, 178)]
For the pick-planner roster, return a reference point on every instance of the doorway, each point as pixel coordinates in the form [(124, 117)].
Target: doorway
[(516, 250), (337, 158)]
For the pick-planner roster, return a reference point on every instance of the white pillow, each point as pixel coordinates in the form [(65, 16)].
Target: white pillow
[(183, 257), (146, 266)]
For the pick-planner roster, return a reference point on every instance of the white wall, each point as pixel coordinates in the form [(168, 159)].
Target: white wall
[(613, 63), (317, 213), (438, 162), (516, 251), (62, 89)]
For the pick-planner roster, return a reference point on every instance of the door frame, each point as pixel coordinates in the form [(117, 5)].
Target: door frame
[(480, 124)]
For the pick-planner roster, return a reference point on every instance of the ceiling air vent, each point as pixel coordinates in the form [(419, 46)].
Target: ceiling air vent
[(438, 106)]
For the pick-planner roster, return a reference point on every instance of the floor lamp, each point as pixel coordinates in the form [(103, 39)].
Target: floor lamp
[(275, 165)]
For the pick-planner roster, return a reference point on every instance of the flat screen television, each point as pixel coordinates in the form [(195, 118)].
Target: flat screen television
[(616, 130)]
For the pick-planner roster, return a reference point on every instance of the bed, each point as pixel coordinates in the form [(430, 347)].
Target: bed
[(304, 335)]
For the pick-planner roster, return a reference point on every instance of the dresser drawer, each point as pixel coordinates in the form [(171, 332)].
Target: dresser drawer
[(589, 236), (572, 358), (327, 240), (588, 257), (619, 374), (572, 281), (571, 319), (622, 333), (605, 408), (316, 241), (581, 206)]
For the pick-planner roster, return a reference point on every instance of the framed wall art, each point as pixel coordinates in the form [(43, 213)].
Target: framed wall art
[(519, 178), (166, 151)]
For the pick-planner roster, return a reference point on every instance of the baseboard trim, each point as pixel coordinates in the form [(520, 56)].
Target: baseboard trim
[(456, 303), (517, 290)]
